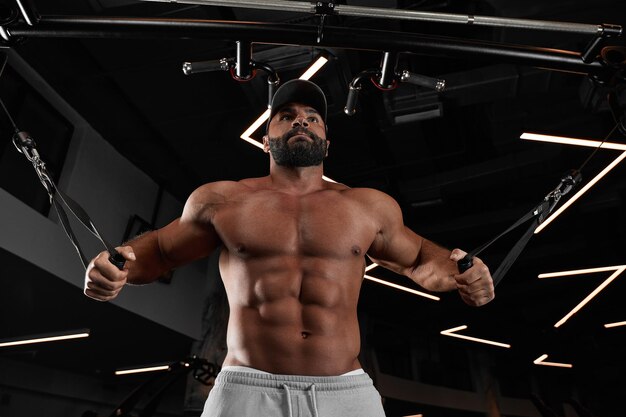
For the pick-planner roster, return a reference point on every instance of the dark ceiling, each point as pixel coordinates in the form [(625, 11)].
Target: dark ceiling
[(461, 177)]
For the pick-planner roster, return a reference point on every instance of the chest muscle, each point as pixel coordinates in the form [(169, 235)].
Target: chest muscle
[(322, 225)]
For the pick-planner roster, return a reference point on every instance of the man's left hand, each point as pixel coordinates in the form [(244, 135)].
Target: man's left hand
[(475, 285)]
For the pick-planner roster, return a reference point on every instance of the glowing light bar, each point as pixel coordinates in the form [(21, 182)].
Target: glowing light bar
[(616, 324), (451, 332), (316, 66), (141, 370), (74, 334), (247, 135), (572, 141), (400, 287), (577, 142), (581, 271), (253, 127), (370, 267), (541, 361), (618, 270)]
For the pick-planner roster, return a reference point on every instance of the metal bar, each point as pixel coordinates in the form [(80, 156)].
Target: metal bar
[(305, 35), (279, 5), (384, 13), (501, 22)]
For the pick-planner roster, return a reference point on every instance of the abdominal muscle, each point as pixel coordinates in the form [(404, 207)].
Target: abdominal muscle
[(292, 315)]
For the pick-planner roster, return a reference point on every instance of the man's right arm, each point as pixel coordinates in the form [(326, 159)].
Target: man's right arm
[(149, 256)]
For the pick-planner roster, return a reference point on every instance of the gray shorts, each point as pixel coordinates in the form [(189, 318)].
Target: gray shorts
[(244, 394)]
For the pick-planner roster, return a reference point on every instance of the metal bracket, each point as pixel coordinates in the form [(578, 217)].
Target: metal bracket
[(323, 9), (567, 184), (605, 31)]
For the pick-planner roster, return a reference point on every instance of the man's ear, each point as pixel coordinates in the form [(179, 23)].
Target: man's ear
[(266, 144)]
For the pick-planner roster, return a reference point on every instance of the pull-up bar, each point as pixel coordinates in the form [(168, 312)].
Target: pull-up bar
[(304, 35), (414, 15)]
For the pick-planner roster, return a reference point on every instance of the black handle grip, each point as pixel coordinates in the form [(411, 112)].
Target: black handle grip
[(465, 263), (207, 66), (118, 260), (353, 94)]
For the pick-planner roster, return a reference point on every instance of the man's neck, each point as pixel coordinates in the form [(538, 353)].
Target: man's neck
[(298, 180)]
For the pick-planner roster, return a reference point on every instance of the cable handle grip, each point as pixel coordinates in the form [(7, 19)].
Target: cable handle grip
[(223, 64), (353, 94), (465, 263), (422, 81), (118, 260)]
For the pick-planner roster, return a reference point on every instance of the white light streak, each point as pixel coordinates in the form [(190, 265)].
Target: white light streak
[(400, 287), (316, 66), (370, 267), (141, 370), (44, 339), (572, 141), (253, 127), (451, 332), (616, 324), (541, 361), (618, 270), (581, 271)]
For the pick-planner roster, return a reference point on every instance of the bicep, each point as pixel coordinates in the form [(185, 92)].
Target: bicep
[(192, 236), (186, 240), (395, 246), (399, 252)]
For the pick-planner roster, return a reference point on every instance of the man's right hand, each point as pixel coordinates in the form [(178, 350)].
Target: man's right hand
[(103, 281)]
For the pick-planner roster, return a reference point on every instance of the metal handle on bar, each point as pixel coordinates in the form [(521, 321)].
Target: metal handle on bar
[(423, 81), (223, 64)]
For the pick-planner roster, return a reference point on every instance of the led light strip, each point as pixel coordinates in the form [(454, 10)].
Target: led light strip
[(400, 287), (572, 141), (142, 370), (370, 267), (616, 324), (541, 361), (451, 332), (74, 334), (577, 142), (618, 270), (253, 127), (580, 271)]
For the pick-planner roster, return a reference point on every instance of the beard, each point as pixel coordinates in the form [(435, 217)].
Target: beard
[(300, 153)]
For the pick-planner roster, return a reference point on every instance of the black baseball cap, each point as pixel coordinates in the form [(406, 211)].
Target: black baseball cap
[(298, 91)]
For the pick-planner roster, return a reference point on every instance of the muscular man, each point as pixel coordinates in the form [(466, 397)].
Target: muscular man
[(292, 265)]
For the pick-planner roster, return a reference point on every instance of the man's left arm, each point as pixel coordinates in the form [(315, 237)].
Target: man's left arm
[(434, 268)]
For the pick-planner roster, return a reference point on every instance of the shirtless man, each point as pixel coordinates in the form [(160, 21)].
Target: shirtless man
[(292, 264)]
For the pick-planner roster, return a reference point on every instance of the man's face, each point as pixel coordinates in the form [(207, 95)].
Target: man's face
[(297, 136)]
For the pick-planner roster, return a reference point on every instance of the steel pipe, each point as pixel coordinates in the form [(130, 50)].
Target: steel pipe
[(304, 35), (419, 16)]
